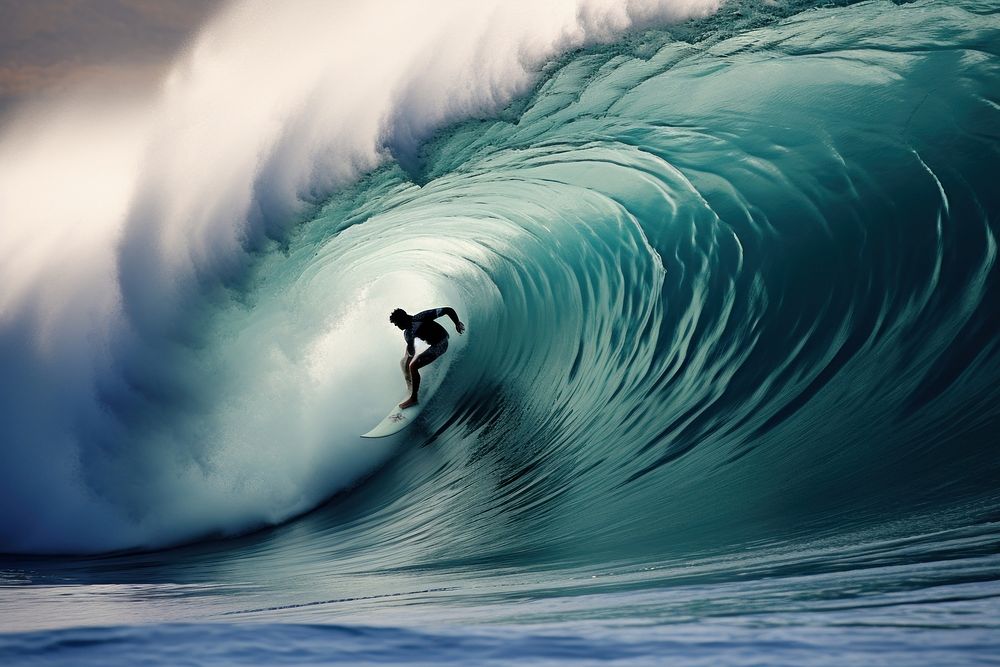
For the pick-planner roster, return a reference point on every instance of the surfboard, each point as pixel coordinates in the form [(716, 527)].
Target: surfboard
[(395, 421)]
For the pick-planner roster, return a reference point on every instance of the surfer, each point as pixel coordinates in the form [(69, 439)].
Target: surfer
[(422, 326)]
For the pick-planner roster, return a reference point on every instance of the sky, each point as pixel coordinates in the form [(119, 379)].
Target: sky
[(50, 46)]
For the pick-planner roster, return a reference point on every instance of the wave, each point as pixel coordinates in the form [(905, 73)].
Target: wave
[(713, 286)]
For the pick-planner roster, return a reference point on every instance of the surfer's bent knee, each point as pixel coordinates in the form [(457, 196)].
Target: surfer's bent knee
[(429, 355)]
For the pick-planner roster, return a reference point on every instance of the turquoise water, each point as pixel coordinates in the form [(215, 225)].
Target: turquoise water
[(729, 393)]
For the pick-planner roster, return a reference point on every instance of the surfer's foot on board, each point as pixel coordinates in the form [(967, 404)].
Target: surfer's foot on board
[(408, 403)]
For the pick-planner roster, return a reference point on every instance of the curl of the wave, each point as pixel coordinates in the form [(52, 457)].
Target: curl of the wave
[(127, 225)]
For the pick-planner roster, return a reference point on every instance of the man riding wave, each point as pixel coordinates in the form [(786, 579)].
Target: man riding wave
[(422, 326)]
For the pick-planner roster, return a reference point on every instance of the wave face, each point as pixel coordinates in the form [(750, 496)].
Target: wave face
[(716, 288)]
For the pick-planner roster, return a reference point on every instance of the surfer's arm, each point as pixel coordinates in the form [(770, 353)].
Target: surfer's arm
[(408, 335), (450, 312), (431, 314), (435, 313)]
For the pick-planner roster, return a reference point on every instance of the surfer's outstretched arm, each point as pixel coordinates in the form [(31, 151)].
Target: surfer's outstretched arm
[(450, 312), (435, 313)]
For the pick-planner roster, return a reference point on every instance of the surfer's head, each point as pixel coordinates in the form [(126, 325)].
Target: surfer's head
[(400, 318)]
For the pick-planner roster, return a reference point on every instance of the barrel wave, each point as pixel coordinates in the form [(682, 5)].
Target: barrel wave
[(714, 292), (729, 285)]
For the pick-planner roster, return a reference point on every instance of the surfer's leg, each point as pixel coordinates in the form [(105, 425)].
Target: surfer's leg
[(404, 364), (414, 386), (418, 362)]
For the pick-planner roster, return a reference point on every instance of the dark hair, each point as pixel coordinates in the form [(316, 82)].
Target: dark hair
[(400, 318)]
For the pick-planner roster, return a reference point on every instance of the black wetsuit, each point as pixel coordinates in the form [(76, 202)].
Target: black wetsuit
[(426, 329)]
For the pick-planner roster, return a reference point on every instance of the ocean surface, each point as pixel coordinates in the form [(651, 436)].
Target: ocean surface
[(730, 389)]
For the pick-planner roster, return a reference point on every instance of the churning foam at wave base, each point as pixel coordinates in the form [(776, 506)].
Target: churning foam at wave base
[(123, 224)]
